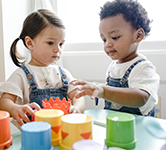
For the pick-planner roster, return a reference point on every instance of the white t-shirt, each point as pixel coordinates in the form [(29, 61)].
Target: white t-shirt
[(18, 84), (143, 76)]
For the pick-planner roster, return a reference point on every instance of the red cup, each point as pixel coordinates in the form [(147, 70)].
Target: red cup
[(5, 135)]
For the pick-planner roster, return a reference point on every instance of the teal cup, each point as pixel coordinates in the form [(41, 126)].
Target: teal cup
[(120, 130)]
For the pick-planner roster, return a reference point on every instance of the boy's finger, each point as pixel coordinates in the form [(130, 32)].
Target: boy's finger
[(78, 82), (95, 94)]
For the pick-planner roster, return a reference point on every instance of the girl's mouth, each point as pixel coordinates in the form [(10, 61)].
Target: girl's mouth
[(55, 57)]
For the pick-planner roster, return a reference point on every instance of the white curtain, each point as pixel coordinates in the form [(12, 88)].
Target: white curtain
[(46, 4)]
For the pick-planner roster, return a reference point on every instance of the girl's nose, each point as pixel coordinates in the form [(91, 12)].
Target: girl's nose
[(56, 49)]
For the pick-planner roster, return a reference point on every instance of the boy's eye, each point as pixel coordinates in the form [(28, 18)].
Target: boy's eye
[(115, 38), (50, 43), (61, 44)]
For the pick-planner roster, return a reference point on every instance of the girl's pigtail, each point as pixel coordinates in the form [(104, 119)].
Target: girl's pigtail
[(14, 54)]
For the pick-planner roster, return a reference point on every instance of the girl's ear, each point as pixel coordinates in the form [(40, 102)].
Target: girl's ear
[(140, 34), (29, 42)]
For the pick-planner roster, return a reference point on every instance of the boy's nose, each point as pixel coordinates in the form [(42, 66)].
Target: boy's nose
[(109, 44)]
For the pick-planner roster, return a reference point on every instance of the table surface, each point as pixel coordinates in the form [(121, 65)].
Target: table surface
[(145, 141)]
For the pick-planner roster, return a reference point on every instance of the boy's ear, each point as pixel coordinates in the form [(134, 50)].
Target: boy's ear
[(29, 42), (140, 34)]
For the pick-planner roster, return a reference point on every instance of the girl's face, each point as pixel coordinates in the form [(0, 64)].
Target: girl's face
[(46, 47), (119, 38)]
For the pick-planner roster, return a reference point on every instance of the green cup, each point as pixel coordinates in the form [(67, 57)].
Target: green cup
[(120, 130)]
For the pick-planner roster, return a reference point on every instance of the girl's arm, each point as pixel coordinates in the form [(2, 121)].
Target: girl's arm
[(79, 104), (125, 96), (18, 112)]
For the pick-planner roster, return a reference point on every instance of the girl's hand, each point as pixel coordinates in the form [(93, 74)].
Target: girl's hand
[(74, 109), (88, 88), (21, 112)]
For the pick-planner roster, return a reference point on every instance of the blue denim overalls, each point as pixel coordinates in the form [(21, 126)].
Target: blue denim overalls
[(37, 95), (123, 82)]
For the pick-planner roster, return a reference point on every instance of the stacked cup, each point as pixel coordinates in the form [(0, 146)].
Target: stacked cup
[(5, 135), (36, 136), (120, 130), (53, 117), (75, 127)]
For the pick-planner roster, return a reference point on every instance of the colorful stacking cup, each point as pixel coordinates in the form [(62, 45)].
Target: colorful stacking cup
[(120, 130), (75, 127), (53, 117), (88, 145), (5, 135), (36, 136)]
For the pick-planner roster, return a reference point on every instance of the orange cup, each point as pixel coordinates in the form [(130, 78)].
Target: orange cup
[(5, 135)]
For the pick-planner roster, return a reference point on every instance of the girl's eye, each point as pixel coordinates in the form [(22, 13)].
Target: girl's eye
[(115, 38), (50, 43), (104, 41)]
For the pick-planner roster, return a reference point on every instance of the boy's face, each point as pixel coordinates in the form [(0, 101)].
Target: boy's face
[(47, 46), (120, 38)]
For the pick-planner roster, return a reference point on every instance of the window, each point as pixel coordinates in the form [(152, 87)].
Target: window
[(81, 18)]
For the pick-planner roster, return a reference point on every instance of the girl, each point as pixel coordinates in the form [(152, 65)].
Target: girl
[(43, 33), (132, 82)]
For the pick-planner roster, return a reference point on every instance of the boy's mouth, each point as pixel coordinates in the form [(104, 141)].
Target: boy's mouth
[(110, 53)]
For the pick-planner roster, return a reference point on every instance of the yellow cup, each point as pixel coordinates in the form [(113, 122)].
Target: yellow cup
[(74, 127), (53, 117)]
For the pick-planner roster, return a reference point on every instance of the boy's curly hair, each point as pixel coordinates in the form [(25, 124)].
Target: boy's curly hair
[(131, 10)]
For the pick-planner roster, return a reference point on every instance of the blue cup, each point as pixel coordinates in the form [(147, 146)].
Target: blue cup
[(36, 136)]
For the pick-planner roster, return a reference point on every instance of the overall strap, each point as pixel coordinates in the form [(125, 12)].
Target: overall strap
[(63, 77), (29, 77), (124, 79), (111, 67)]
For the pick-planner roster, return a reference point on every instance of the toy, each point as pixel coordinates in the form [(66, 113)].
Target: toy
[(53, 117), (5, 135), (57, 104), (36, 136), (74, 127), (88, 144), (118, 126)]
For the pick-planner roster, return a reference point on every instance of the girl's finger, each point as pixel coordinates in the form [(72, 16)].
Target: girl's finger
[(24, 117), (19, 120), (27, 110), (34, 105)]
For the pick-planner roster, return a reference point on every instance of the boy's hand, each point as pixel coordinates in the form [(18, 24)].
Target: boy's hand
[(21, 112), (88, 88)]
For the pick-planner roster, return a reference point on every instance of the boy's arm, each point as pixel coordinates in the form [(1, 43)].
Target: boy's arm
[(130, 97)]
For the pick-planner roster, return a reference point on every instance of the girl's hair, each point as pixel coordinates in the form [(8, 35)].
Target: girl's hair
[(32, 26), (131, 10)]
